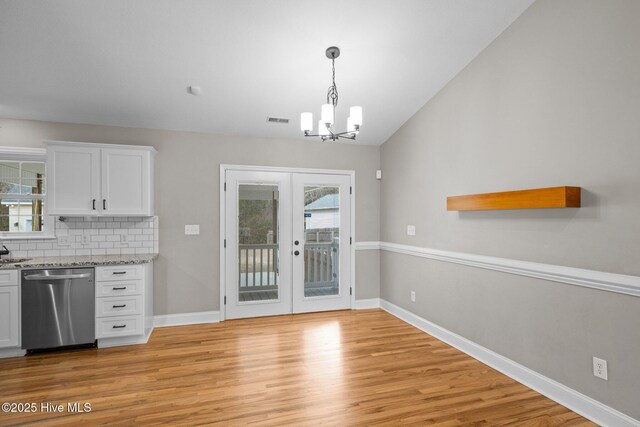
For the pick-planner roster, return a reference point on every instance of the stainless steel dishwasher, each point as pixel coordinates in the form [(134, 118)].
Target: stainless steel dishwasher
[(58, 308)]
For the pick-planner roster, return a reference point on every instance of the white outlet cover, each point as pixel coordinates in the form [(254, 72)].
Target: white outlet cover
[(192, 229), (63, 240), (413, 296), (600, 368), (411, 230)]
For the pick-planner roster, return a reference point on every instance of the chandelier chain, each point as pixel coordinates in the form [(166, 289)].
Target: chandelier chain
[(332, 93)]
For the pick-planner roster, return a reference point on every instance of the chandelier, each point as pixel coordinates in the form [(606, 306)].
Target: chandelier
[(328, 111)]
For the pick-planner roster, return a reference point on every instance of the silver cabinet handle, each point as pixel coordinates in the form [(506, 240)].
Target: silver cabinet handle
[(57, 276)]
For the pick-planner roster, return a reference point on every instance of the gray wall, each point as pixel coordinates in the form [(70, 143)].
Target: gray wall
[(187, 175), (553, 101)]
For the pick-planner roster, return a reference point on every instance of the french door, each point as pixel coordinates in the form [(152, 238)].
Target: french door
[(287, 242)]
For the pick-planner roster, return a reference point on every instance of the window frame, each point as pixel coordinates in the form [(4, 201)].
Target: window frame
[(25, 155)]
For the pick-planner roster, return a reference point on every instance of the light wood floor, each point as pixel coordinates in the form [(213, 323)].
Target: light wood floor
[(335, 368)]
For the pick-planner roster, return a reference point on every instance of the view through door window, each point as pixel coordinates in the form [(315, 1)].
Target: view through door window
[(321, 240), (258, 242)]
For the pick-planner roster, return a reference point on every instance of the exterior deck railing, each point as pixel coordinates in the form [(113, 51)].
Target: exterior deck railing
[(258, 266)]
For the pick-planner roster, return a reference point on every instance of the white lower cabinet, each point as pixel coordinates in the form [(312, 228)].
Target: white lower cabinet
[(9, 316), (124, 304), (119, 326)]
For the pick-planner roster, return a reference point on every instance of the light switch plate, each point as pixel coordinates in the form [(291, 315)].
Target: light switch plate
[(192, 229), (411, 230)]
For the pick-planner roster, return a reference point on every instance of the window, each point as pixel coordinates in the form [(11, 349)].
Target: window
[(22, 194)]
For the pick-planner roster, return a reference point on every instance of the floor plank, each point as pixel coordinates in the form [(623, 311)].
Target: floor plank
[(336, 368)]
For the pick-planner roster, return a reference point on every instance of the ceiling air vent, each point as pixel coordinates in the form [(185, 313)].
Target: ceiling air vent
[(277, 120)]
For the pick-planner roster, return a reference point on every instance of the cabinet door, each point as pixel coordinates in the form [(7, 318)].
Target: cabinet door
[(73, 180), (126, 182), (9, 317)]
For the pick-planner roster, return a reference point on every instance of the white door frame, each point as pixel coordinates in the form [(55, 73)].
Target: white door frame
[(225, 167)]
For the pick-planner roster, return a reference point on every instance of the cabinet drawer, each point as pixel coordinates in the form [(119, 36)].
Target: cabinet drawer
[(120, 288), (118, 272), (8, 277), (118, 306), (108, 327)]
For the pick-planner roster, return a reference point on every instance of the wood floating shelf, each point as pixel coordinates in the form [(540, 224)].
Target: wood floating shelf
[(537, 198)]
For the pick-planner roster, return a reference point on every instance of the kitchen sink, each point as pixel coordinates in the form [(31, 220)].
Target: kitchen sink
[(13, 260)]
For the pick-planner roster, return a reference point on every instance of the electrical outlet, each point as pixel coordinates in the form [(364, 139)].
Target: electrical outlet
[(413, 296), (63, 240), (600, 368), (86, 239), (411, 230), (124, 238), (192, 229)]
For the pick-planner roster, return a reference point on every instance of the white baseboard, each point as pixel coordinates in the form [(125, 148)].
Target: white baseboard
[(584, 405), (364, 304), (179, 319), (11, 352), (120, 341)]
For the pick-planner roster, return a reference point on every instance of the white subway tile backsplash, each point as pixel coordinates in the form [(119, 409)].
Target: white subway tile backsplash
[(104, 234)]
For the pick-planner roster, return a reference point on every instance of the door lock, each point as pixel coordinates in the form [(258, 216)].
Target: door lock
[(296, 253), (296, 243)]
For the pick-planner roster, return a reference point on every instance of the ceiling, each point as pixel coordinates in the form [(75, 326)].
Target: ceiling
[(129, 63)]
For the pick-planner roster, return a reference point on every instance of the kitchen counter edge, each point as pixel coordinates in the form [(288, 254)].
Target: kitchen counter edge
[(80, 260)]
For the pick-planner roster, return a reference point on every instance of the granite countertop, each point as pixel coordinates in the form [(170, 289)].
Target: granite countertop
[(81, 260)]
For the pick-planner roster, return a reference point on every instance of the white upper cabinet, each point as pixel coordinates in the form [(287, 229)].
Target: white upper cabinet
[(94, 179), (126, 182), (73, 174)]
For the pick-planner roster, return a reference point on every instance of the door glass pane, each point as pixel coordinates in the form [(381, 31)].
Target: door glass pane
[(258, 242), (321, 240)]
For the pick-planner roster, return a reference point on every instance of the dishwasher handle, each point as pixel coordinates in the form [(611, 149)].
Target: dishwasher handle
[(57, 276)]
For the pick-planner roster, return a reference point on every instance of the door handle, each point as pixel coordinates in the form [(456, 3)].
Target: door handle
[(296, 253)]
